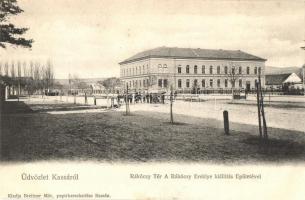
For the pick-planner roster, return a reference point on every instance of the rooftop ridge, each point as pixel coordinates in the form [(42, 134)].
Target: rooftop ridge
[(192, 53)]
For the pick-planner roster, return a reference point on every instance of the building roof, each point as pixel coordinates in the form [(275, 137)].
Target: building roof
[(276, 79), (188, 53)]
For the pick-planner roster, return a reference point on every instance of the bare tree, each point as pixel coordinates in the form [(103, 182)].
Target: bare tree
[(48, 75), (233, 73)]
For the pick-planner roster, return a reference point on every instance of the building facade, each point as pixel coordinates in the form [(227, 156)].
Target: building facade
[(188, 70)]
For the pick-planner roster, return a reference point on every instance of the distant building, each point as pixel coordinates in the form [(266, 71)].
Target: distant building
[(186, 68), (280, 81)]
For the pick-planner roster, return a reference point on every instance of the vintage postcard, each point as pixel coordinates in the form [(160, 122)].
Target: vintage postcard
[(152, 99)]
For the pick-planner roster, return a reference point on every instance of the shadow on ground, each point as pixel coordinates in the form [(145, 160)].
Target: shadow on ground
[(142, 137)]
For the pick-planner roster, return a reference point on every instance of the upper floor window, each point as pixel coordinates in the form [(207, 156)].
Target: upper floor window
[(233, 70), (203, 69), (240, 83), (248, 70), (211, 69), (187, 69), (240, 70), (218, 82), (179, 70), (226, 69), (218, 69), (226, 83), (255, 70), (259, 70), (195, 69)]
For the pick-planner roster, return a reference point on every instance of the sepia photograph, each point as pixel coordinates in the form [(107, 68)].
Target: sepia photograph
[(145, 98)]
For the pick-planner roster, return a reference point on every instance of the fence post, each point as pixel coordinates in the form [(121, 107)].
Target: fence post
[(226, 122)]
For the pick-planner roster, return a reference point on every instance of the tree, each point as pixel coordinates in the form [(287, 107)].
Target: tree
[(111, 83), (233, 74), (9, 33)]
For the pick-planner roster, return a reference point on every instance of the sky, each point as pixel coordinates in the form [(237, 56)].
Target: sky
[(89, 38)]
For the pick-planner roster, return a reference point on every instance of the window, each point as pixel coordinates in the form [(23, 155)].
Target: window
[(187, 83), (139, 69), (211, 82), (187, 70), (160, 82), (165, 83), (144, 83), (132, 71), (203, 83), (226, 83), (255, 70), (240, 70), (211, 69), (218, 69), (195, 83), (248, 70), (195, 69), (140, 83), (143, 69), (259, 70), (203, 69), (160, 69), (179, 70), (233, 70), (233, 83), (179, 83), (240, 83), (218, 82), (136, 70)]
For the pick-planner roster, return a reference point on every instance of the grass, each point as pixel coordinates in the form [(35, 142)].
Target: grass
[(140, 137)]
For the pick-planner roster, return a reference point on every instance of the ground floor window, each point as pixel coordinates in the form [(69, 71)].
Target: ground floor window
[(165, 83), (226, 83), (203, 83), (211, 82), (187, 83), (240, 83), (218, 83), (179, 83), (160, 82)]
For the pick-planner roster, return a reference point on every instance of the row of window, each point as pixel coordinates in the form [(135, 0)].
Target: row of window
[(134, 71), (164, 69), (163, 83), (138, 83), (210, 82), (233, 70)]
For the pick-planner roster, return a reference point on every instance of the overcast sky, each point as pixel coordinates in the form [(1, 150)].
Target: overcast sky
[(90, 37)]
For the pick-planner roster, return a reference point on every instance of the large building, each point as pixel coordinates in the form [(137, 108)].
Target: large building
[(186, 69)]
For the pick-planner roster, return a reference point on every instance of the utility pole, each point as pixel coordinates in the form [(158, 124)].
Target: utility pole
[(171, 105)]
